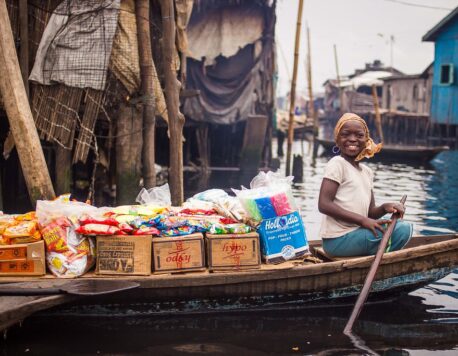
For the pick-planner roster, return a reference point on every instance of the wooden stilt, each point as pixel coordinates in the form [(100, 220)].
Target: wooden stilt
[(146, 70), (253, 142), (24, 47), (202, 146), (378, 118), (63, 170), (128, 154), (17, 107), (172, 88)]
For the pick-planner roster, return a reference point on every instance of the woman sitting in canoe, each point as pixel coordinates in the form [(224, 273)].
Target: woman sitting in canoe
[(350, 226)]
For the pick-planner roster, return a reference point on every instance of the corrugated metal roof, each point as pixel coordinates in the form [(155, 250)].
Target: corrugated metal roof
[(432, 34)]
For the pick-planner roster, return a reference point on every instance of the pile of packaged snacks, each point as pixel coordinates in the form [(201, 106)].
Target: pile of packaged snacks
[(19, 229)]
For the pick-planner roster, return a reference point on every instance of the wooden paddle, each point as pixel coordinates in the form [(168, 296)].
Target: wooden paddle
[(372, 271), (78, 287)]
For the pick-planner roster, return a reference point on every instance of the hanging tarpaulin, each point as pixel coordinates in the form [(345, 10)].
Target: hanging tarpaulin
[(76, 46)]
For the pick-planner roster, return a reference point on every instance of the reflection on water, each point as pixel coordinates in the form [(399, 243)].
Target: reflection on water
[(422, 323), (403, 327)]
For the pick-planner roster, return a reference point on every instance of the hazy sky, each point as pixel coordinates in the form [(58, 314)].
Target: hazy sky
[(361, 29)]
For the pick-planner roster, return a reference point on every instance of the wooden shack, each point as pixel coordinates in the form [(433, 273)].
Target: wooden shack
[(94, 100), (228, 99)]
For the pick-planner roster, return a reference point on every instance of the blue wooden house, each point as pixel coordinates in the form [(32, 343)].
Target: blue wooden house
[(444, 96)]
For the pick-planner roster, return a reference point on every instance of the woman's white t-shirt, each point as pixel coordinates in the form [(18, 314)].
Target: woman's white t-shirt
[(353, 194)]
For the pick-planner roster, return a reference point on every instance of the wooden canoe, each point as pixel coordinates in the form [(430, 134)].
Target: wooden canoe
[(397, 152), (289, 285)]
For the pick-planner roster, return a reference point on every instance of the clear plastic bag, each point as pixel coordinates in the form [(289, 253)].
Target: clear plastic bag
[(159, 196), (270, 196)]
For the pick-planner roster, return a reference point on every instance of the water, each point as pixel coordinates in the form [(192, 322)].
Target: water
[(424, 322)]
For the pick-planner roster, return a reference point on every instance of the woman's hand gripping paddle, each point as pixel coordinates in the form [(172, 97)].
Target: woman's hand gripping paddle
[(372, 271)]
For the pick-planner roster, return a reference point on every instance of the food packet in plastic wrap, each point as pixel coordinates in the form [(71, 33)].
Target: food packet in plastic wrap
[(219, 200), (218, 229)]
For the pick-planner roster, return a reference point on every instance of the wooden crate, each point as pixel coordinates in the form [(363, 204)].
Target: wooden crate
[(233, 251), (23, 259), (178, 254), (124, 255)]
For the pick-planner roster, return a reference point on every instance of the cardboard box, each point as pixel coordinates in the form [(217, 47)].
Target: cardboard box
[(233, 251), (283, 238), (124, 255), (23, 259), (178, 254)]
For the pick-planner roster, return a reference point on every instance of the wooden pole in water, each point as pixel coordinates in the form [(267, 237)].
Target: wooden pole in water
[(338, 78), (293, 89), (309, 80), (309, 77), (372, 271), (146, 71), (172, 88), (20, 117), (378, 118)]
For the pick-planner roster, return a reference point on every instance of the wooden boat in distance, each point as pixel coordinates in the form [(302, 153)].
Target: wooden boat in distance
[(397, 152), (293, 284)]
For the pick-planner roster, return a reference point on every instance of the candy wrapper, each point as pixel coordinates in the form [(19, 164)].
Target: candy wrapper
[(218, 229)]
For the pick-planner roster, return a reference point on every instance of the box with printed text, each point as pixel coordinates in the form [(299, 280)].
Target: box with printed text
[(23, 259), (124, 255), (233, 251), (178, 254), (283, 238)]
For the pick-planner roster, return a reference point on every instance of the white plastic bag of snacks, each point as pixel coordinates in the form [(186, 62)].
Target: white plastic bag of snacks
[(68, 254)]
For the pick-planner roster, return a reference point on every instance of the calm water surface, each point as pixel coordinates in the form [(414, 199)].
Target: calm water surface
[(424, 322)]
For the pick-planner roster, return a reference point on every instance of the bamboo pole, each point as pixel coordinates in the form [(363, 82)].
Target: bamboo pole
[(338, 78), (309, 80), (176, 118), (20, 117), (378, 118), (293, 89), (146, 69)]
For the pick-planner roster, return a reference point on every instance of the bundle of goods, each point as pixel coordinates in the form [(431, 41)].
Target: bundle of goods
[(68, 253), (228, 208), (271, 208), (19, 229)]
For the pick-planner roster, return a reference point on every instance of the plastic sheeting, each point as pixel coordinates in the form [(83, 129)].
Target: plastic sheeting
[(224, 32), (76, 45), (241, 77)]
